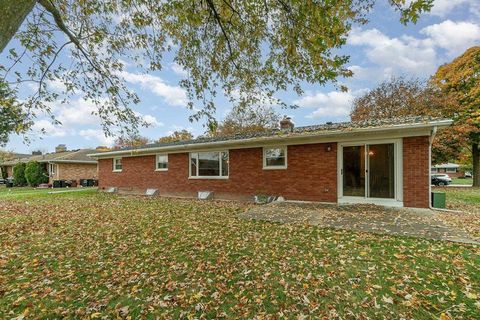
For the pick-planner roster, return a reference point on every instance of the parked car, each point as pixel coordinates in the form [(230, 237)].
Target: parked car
[(3, 181), (440, 179), (467, 175)]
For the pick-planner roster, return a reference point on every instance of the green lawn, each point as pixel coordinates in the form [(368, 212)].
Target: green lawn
[(462, 181), (462, 196), (28, 192), (94, 255)]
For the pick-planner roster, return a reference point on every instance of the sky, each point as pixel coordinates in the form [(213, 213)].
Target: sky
[(379, 50)]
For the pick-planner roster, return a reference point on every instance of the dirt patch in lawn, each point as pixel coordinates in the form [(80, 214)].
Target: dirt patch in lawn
[(370, 218)]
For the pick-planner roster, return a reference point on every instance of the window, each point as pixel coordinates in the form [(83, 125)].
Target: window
[(162, 162), (275, 158), (52, 168), (451, 170), (209, 164), (117, 164)]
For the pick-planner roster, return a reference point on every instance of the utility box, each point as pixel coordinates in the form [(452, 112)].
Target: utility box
[(438, 199), (205, 195), (151, 192)]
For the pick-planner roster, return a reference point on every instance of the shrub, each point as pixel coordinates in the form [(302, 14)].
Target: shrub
[(19, 174), (35, 174)]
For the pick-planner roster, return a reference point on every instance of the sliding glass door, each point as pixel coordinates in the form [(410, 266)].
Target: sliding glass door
[(368, 171)]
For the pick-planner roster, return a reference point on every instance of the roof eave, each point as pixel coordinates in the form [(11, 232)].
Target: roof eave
[(240, 142)]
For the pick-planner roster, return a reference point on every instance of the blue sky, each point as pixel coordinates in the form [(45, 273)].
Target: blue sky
[(378, 50)]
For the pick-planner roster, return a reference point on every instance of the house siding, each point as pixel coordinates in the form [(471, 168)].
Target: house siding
[(416, 178), (74, 171), (311, 175)]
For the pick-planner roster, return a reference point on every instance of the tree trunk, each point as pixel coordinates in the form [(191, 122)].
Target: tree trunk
[(476, 164), (12, 14)]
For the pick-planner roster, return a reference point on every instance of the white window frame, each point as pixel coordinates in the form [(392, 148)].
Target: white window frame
[(451, 170), (398, 163), (220, 165), (114, 169), (266, 167), (52, 169), (156, 161)]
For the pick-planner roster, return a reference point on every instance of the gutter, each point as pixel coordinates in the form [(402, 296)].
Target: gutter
[(74, 161), (430, 140), (279, 138), (432, 136)]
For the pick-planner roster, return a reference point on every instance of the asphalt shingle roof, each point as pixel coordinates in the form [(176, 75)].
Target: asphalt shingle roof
[(66, 156), (300, 131)]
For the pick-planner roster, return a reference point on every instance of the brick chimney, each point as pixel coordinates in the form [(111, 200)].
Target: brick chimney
[(60, 148), (286, 124), (36, 153)]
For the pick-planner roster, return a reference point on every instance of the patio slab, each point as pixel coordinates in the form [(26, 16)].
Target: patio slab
[(421, 223)]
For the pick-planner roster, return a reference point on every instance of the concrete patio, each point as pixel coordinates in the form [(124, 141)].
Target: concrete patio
[(421, 223)]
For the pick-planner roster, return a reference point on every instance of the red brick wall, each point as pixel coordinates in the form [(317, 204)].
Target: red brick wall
[(311, 175), (416, 181)]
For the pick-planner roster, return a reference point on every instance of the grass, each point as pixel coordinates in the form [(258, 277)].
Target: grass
[(462, 196), (29, 192), (462, 181), (94, 255)]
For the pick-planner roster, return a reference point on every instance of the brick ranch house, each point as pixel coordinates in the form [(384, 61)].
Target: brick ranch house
[(380, 162), (62, 164)]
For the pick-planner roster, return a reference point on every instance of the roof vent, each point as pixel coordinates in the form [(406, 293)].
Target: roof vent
[(286, 124), (60, 148)]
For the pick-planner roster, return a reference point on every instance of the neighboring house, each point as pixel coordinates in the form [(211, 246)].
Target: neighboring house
[(11, 156), (383, 162), (452, 169), (63, 164)]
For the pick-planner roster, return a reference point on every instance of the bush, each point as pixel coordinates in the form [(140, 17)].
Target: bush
[(35, 174), (19, 174), (4, 173)]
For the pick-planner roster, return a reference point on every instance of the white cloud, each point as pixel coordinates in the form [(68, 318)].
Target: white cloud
[(455, 37), (151, 120), (48, 128), (178, 69), (407, 54), (98, 136), (442, 8), (412, 55), (334, 104), (77, 112), (173, 95)]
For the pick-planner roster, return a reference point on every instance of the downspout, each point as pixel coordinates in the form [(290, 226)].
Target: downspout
[(432, 136)]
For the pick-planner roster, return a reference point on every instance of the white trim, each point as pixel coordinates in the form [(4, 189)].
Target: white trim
[(358, 134), (398, 164), (156, 162), (74, 161), (197, 177), (50, 171), (114, 164), (285, 166)]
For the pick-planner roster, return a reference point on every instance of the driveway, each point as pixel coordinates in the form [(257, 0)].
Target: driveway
[(421, 223)]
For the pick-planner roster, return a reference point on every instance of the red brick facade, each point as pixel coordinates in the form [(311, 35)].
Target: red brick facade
[(311, 175), (416, 178)]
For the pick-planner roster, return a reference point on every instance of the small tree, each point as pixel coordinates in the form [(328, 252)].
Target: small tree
[(19, 174), (133, 140), (247, 120), (35, 174), (181, 135)]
